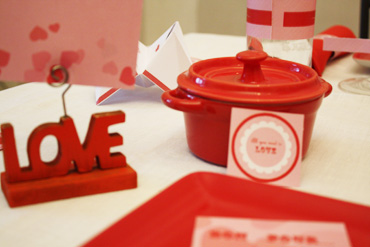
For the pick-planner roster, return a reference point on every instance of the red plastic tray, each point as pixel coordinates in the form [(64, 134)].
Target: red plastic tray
[(168, 218)]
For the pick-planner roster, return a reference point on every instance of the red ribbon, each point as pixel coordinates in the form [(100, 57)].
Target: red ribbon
[(291, 19), (259, 17), (299, 19)]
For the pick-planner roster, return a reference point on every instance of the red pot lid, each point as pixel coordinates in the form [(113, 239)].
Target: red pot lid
[(252, 77)]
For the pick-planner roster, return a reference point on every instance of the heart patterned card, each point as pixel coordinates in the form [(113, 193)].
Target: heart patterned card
[(96, 41)]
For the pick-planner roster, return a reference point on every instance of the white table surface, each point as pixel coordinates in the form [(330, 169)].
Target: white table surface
[(337, 164)]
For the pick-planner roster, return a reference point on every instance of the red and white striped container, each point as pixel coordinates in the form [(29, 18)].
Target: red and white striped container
[(282, 28)]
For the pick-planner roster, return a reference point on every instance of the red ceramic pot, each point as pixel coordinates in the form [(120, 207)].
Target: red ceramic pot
[(211, 88)]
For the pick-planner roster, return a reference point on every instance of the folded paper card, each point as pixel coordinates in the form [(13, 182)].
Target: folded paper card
[(158, 64), (95, 40), (235, 232)]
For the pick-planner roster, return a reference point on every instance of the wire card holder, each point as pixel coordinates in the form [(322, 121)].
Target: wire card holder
[(77, 169)]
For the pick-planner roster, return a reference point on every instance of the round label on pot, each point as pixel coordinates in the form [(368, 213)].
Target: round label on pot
[(265, 147)]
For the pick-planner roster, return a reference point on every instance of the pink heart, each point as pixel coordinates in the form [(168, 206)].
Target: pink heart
[(69, 57), (101, 43), (40, 60), (38, 33), (110, 68), (127, 77), (4, 58), (81, 55), (34, 76), (54, 27)]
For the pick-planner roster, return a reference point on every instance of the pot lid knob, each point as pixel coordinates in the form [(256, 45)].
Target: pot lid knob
[(252, 72)]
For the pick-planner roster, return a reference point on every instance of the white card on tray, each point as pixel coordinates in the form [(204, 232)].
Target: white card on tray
[(238, 232)]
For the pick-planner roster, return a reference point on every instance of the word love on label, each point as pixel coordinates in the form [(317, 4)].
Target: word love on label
[(264, 149), (77, 170)]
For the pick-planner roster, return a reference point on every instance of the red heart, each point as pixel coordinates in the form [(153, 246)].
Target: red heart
[(69, 57), (127, 77), (40, 59), (4, 58), (110, 68), (54, 27), (38, 33), (58, 73)]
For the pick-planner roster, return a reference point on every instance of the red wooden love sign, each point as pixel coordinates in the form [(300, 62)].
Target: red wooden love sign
[(77, 170)]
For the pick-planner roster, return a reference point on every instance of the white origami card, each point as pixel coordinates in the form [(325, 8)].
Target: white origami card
[(158, 64)]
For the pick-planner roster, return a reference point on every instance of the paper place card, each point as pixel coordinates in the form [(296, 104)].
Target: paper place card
[(265, 146), (242, 232), (158, 64), (95, 40), (346, 44)]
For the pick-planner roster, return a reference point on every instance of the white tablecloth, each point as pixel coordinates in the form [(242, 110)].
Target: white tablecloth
[(337, 164)]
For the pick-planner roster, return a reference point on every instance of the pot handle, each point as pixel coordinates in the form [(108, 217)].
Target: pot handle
[(181, 101), (329, 88)]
